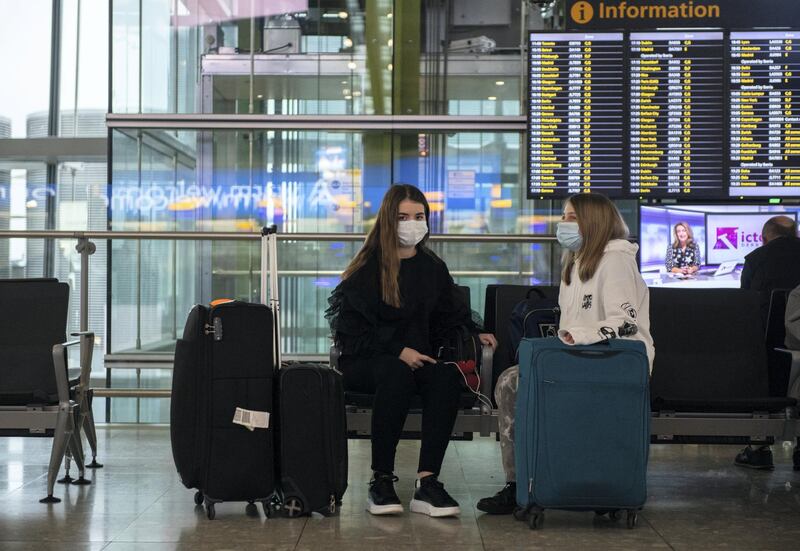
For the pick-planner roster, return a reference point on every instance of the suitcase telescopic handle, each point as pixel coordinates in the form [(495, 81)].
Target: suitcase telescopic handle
[(269, 284)]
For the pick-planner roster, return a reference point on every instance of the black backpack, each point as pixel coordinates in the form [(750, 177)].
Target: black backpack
[(535, 316)]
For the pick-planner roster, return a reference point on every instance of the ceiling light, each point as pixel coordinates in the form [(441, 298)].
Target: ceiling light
[(389, 15), (343, 15), (346, 91), (348, 42), (348, 97), (356, 93), (390, 43), (500, 82), (492, 98), (351, 65), (260, 96), (390, 67)]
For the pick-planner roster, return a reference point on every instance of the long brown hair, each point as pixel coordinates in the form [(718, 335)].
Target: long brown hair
[(690, 236), (383, 241), (599, 222)]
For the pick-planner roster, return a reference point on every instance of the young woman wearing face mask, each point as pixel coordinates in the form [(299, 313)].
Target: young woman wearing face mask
[(602, 296), (395, 298)]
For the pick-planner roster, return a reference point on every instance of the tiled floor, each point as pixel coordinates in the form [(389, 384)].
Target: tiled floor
[(698, 500)]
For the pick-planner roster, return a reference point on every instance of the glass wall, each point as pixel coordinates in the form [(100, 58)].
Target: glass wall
[(25, 28), (318, 57), (304, 182)]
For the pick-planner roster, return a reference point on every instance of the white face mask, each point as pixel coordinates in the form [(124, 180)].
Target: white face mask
[(411, 232)]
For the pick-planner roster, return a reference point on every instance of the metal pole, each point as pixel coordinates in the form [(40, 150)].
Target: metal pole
[(85, 248), (236, 236)]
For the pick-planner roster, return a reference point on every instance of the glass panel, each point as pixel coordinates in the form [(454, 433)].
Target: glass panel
[(84, 62), (24, 196), (25, 66), (78, 201), (314, 182), (321, 57)]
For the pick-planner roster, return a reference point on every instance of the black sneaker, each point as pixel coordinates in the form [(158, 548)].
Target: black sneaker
[(430, 498), (502, 503), (382, 499), (760, 458)]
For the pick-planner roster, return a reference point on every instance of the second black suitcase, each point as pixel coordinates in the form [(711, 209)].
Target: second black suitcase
[(313, 439)]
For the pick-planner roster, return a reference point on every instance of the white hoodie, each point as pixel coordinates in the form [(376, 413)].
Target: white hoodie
[(614, 303)]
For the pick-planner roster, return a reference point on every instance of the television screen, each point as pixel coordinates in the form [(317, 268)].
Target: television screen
[(677, 114), (576, 113), (680, 115), (765, 114), (723, 235)]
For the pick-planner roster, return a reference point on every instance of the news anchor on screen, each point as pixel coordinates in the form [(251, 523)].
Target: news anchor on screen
[(683, 255)]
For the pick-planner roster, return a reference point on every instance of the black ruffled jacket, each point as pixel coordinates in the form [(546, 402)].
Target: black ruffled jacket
[(363, 325)]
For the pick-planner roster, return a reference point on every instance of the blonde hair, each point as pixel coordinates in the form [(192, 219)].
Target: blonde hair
[(382, 240), (599, 222), (690, 235)]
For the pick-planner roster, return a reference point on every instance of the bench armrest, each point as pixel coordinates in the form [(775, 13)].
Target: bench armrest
[(487, 374), (335, 354)]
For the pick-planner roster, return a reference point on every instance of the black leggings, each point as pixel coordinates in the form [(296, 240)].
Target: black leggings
[(394, 384)]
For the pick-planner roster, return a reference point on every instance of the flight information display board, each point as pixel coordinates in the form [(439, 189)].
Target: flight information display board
[(765, 113), (677, 123), (576, 113)]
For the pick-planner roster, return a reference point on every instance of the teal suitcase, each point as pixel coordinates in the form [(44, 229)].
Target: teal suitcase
[(582, 428)]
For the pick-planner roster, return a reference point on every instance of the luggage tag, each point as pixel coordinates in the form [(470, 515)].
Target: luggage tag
[(251, 419)]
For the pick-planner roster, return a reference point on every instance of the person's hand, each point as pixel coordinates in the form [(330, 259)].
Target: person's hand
[(567, 338), (684, 270), (414, 359), (488, 338)]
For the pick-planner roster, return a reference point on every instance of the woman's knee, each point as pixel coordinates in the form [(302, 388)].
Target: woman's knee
[(393, 373), (507, 383), (444, 378)]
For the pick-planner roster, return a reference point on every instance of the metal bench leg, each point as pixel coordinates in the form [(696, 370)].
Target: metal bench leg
[(76, 447), (62, 435), (91, 436)]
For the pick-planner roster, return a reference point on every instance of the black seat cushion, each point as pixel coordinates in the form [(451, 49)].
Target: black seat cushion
[(363, 400)]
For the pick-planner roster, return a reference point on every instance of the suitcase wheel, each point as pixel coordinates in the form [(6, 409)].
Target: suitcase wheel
[(633, 519), (198, 498), (536, 520), (211, 513), (251, 510), (293, 507), (521, 513), (268, 510)]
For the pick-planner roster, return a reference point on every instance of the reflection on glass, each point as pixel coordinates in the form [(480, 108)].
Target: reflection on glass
[(312, 57)]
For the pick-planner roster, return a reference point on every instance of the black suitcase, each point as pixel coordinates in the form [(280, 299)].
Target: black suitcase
[(223, 362), (313, 439), (222, 383)]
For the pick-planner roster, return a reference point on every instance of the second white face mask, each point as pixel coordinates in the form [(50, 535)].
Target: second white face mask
[(411, 232)]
